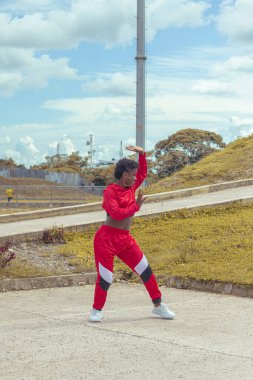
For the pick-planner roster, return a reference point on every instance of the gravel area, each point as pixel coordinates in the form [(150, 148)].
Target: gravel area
[(43, 256)]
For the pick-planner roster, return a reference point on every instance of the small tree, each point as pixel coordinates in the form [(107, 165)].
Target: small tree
[(170, 163), (9, 163), (74, 161), (100, 176), (185, 147)]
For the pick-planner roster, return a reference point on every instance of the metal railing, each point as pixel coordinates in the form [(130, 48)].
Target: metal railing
[(52, 196)]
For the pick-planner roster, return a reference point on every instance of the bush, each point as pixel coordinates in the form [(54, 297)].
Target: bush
[(54, 236), (6, 254)]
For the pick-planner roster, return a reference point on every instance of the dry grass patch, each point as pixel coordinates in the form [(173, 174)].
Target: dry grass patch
[(208, 244), (232, 163), (22, 269)]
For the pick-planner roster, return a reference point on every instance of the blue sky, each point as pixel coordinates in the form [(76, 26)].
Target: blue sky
[(67, 70)]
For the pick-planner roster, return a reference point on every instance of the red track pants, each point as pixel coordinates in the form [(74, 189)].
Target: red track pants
[(110, 242)]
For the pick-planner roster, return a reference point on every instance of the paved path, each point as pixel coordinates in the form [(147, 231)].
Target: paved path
[(34, 225), (45, 334)]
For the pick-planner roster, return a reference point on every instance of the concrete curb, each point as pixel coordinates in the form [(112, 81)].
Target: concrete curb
[(199, 190), (7, 284), (210, 286), (150, 198), (90, 278), (37, 235), (59, 211)]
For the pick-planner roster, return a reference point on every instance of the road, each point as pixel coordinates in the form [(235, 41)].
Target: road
[(45, 334)]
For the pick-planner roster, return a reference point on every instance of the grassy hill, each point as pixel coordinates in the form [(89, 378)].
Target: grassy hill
[(232, 163), (37, 190), (25, 182)]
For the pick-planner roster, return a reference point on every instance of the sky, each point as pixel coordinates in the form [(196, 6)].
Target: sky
[(68, 71)]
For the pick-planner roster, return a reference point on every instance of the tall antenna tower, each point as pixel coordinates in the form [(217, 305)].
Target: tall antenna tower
[(58, 149), (91, 150), (121, 150), (140, 75)]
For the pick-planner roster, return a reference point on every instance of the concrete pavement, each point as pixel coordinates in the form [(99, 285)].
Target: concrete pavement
[(45, 334), (27, 226)]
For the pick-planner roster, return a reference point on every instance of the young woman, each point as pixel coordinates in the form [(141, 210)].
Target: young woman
[(113, 237)]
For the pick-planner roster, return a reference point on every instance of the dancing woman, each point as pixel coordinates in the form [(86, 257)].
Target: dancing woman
[(113, 237)]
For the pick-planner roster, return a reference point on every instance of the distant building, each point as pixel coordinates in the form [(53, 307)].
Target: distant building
[(105, 162)]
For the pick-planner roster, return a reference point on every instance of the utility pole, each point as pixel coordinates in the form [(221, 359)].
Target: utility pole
[(91, 150), (121, 150), (58, 152), (140, 75)]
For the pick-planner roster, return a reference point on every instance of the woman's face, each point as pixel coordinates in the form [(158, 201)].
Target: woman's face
[(128, 178)]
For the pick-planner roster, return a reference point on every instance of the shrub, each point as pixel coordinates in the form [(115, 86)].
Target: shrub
[(6, 254), (54, 236)]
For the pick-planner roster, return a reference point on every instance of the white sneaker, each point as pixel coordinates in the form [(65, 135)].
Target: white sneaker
[(95, 315), (163, 311)]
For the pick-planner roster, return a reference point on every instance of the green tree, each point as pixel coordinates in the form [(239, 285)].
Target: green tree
[(9, 163), (185, 147), (63, 162), (100, 176), (170, 163)]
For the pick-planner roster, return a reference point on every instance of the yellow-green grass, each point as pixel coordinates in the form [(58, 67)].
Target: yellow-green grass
[(5, 211), (21, 269), (232, 163), (208, 244)]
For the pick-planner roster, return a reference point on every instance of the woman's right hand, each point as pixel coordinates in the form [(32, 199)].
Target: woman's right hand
[(135, 148), (140, 198)]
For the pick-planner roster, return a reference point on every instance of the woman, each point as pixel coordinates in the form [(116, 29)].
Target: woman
[(113, 237)]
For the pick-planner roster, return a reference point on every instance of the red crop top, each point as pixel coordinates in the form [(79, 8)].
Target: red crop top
[(119, 202)]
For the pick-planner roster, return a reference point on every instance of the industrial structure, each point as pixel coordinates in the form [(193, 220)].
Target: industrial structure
[(140, 76)]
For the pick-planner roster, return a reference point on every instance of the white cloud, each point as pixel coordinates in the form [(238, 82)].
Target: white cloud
[(175, 13), (236, 121), (99, 111), (26, 146), (65, 146), (28, 29), (5, 140), (106, 152), (10, 82), (20, 69), (109, 22), (30, 6), (105, 21), (116, 84), (213, 87), (235, 20), (240, 126), (238, 64), (25, 151)]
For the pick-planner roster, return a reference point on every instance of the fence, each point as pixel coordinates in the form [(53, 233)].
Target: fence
[(50, 196), (68, 179)]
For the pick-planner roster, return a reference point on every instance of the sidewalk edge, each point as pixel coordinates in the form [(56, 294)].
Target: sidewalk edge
[(82, 279)]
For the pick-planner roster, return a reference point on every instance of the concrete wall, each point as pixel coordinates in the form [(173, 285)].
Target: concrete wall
[(70, 179)]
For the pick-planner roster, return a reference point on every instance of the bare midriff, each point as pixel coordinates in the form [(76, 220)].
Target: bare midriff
[(123, 224)]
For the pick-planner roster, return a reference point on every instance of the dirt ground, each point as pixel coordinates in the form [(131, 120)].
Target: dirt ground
[(43, 256)]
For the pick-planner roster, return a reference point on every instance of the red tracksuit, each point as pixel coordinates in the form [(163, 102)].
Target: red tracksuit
[(120, 203)]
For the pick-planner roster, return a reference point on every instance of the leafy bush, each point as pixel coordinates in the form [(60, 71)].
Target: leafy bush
[(6, 254), (54, 236)]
